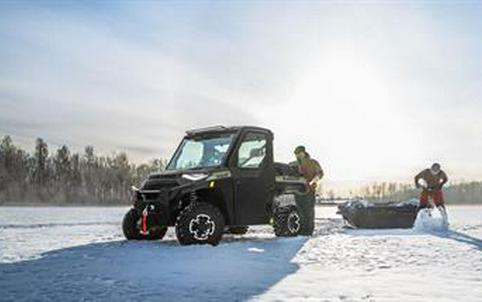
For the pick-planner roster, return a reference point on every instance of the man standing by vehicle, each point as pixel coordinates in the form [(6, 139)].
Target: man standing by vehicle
[(311, 170), (434, 179)]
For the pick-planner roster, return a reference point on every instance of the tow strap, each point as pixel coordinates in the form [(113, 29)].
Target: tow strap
[(144, 221)]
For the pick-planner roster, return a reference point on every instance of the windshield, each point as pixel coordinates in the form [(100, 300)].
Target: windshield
[(201, 152)]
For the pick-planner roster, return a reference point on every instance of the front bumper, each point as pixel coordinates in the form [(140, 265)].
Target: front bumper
[(156, 202)]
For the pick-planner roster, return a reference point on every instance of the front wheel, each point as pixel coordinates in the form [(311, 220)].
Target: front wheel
[(131, 228), (200, 223)]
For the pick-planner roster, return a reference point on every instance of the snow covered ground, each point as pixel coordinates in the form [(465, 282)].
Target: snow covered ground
[(79, 254)]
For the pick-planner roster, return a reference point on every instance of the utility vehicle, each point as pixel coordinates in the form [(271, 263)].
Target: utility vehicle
[(220, 179)]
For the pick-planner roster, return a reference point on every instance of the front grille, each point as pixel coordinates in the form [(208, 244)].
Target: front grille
[(162, 194)]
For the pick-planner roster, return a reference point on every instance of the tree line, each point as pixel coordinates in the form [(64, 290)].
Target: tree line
[(63, 177), (455, 193)]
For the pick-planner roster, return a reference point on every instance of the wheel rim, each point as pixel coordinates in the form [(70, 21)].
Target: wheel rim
[(201, 227), (294, 222)]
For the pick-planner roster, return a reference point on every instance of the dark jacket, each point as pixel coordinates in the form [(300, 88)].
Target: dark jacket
[(434, 182)]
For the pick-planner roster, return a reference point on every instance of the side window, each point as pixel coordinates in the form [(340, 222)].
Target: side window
[(252, 151)]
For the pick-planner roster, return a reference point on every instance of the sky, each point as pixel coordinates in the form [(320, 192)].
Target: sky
[(376, 91)]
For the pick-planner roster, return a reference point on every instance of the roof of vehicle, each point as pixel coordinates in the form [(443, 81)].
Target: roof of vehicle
[(215, 129)]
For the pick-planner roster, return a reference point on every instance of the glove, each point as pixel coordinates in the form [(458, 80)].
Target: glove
[(314, 181)]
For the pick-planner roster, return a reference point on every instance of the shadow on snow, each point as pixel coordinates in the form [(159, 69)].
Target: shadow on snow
[(463, 238), (152, 271)]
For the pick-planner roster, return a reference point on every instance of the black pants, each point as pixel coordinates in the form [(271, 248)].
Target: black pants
[(306, 205)]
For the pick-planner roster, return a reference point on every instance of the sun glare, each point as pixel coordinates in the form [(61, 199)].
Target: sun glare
[(350, 118)]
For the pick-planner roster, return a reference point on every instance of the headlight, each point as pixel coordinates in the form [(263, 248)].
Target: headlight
[(134, 195), (195, 176)]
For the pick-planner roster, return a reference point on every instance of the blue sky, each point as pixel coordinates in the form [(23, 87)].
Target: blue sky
[(375, 90)]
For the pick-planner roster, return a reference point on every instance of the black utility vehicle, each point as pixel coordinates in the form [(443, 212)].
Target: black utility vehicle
[(220, 179)]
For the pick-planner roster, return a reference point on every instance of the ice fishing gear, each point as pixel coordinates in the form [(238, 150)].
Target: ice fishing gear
[(362, 214)]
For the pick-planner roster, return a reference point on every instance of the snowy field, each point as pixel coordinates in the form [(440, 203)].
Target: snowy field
[(79, 254)]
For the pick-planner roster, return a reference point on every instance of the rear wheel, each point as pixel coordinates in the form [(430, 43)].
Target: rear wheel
[(131, 228), (238, 230), (200, 223), (287, 222)]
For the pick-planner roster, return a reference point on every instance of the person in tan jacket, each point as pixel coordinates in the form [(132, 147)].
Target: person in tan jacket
[(311, 170), (308, 167)]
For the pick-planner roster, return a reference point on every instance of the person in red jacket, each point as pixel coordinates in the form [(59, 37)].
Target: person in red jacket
[(434, 179)]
